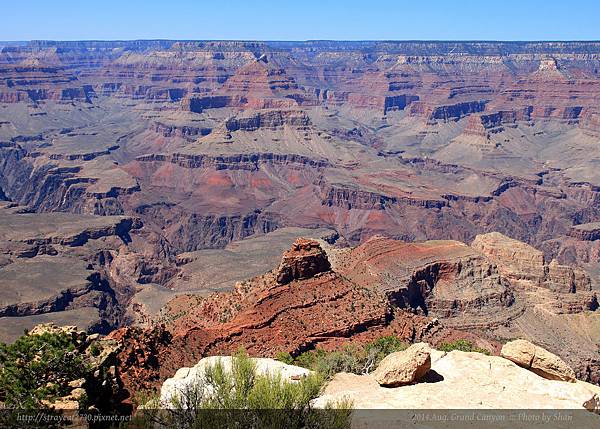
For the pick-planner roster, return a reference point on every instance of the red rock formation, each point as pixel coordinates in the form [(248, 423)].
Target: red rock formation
[(257, 85), (139, 356), (294, 308), (309, 301), (304, 260)]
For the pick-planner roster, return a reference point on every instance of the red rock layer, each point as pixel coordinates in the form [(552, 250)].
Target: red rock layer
[(303, 303)]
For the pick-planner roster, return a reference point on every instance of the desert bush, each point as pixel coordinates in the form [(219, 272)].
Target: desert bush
[(95, 350), (463, 346), (356, 359), (384, 346), (285, 357), (242, 398)]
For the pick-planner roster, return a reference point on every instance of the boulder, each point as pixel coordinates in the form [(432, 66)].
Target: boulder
[(62, 404), (537, 360), (404, 367), (77, 394), (77, 383)]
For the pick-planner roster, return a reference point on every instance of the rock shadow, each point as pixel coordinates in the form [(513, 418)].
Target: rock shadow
[(432, 377)]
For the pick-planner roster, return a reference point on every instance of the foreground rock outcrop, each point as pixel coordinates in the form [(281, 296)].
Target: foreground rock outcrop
[(465, 380), (375, 289), (319, 305), (140, 356)]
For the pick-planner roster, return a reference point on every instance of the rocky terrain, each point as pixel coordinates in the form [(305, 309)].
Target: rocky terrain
[(322, 296), (424, 387), (444, 190), (459, 380), (210, 142)]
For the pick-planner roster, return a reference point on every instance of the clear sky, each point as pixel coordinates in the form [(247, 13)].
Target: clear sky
[(300, 19)]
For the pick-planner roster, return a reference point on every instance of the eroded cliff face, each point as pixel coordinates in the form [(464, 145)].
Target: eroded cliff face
[(444, 279), (271, 107), (381, 287), (196, 146), (526, 266), (256, 192), (268, 119), (56, 265)]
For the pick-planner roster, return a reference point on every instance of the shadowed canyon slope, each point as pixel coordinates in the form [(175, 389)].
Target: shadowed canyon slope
[(453, 189)]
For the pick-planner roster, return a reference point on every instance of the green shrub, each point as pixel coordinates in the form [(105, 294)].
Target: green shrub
[(384, 346), (95, 350), (356, 359), (285, 357), (463, 346), (242, 398), (36, 368), (349, 359)]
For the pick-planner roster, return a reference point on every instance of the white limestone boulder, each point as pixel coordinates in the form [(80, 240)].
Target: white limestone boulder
[(186, 378)]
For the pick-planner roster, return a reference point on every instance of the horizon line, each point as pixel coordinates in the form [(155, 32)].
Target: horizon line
[(316, 40)]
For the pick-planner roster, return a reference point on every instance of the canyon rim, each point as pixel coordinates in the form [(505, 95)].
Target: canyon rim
[(371, 225)]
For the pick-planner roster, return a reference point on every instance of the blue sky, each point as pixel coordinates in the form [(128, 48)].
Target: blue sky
[(300, 20)]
